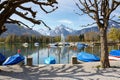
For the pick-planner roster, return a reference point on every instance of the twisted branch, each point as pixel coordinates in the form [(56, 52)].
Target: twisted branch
[(9, 7), (30, 10)]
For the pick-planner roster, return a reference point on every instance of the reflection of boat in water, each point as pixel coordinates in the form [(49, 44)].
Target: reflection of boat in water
[(87, 57), (114, 55), (15, 59), (50, 60), (2, 58)]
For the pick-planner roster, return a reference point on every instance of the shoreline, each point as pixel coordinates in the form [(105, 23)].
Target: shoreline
[(84, 71)]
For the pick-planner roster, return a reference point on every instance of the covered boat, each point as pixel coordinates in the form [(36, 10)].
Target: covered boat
[(87, 57), (50, 60), (114, 55), (2, 58), (15, 59)]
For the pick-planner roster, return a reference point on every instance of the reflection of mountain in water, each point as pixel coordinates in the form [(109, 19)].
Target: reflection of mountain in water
[(63, 51), (60, 52), (53, 50)]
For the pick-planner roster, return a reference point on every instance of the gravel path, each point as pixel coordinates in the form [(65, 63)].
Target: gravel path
[(84, 71)]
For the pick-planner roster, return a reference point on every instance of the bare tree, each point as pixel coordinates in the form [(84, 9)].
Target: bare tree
[(10, 7), (100, 11)]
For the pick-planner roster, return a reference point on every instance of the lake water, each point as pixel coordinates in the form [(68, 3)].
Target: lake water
[(62, 55)]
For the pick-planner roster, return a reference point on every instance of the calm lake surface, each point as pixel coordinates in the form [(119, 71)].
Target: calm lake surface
[(62, 54)]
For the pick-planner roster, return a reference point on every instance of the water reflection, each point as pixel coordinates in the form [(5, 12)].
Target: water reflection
[(62, 54)]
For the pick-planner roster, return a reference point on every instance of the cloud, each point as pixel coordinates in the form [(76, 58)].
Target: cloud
[(66, 5), (65, 21)]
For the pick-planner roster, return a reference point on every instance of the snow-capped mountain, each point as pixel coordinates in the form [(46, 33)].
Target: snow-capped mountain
[(63, 30), (95, 28), (57, 31), (68, 31), (15, 29), (113, 24)]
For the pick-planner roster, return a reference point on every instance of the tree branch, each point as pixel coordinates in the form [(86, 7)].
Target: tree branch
[(114, 21), (89, 24), (27, 18), (8, 8), (45, 24), (87, 11), (114, 6), (30, 10), (2, 4), (17, 22), (46, 10)]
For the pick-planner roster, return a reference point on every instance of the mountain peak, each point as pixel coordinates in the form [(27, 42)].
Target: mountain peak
[(60, 26)]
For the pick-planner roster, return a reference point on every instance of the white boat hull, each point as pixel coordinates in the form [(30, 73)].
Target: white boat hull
[(114, 58)]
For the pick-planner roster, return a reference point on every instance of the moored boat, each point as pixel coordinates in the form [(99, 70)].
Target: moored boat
[(53, 45), (114, 58), (15, 59), (114, 55), (2, 58), (87, 57), (50, 60)]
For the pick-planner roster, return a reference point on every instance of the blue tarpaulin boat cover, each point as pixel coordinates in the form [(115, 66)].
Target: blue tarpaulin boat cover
[(15, 59), (50, 60), (115, 53), (87, 57), (2, 58)]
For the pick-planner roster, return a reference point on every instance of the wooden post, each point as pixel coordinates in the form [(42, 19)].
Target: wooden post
[(0, 69), (74, 60), (29, 61), (118, 46)]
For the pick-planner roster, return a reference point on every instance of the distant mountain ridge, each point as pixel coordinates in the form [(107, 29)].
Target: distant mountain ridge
[(62, 29), (68, 31), (15, 29)]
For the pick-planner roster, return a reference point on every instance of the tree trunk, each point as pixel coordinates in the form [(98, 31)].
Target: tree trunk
[(104, 48)]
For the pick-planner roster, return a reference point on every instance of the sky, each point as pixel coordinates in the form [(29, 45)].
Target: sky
[(65, 14)]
